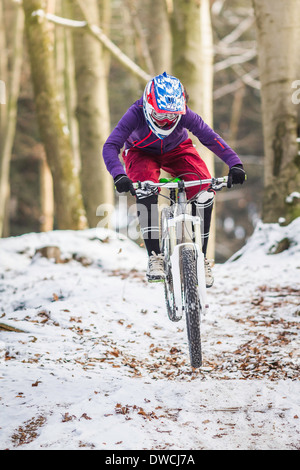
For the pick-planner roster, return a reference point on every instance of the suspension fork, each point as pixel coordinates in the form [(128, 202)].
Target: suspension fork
[(175, 259)]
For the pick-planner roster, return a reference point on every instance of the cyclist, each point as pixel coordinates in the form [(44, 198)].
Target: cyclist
[(154, 132)]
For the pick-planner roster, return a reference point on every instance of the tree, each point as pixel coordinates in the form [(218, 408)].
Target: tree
[(8, 114), (179, 41), (67, 193), (278, 37), (92, 112), (192, 63), (159, 35)]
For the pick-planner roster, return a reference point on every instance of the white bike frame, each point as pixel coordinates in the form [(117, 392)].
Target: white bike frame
[(196, 245)]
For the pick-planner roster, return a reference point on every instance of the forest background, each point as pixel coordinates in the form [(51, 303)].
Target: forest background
[(66, 84)]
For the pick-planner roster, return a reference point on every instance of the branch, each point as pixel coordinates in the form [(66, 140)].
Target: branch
[(238, 31), (98, 34), (5, 327), (246, 79), (239, 48), (59, 20), (230, 61)]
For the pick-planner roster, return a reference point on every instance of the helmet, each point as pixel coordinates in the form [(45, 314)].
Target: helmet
[(163, 104)]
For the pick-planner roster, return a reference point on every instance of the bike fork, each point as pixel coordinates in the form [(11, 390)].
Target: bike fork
[(175, 263)]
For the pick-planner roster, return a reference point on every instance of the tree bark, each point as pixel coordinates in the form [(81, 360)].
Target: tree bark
[(46, 196), (70, 86), (93, 117), (278, 36), (159, 35), (46, 183), (154, 16), (9, 114), (193, 65), (67, 194)]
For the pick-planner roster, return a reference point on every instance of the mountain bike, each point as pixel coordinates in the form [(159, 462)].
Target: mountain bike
[(181, 246)]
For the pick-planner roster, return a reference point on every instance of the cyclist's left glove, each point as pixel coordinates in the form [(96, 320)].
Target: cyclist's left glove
[(236, 175)]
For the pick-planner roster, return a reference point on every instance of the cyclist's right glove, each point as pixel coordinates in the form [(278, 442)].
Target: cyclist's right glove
[(236, 175), (124, 184)]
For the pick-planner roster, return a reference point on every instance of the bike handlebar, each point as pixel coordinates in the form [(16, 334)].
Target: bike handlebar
[(221, 182)]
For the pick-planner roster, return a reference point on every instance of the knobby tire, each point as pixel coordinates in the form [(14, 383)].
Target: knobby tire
[(192, 305)]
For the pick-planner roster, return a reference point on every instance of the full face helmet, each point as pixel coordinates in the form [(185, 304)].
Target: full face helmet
[(163, 103)]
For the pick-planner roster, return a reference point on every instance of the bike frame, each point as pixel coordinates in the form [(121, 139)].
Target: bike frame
[(180, 220)]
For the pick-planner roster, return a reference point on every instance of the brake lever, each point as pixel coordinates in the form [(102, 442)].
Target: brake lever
[(219, 187)]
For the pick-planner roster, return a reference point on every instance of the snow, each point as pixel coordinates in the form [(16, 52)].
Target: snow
[(59, 20), (100, 366), (290, 198)]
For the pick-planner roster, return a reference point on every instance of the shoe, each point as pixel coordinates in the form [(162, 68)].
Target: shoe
[(208, 273), (155, 270)]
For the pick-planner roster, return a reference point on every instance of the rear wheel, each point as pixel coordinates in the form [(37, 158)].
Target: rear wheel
[(192, 306)]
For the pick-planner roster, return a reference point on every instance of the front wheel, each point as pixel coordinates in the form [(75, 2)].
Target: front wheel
[(192, 306)]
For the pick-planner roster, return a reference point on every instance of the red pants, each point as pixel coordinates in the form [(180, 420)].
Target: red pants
[(183, 161)]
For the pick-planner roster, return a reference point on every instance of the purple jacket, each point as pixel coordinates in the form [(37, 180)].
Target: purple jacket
[(133, 131)]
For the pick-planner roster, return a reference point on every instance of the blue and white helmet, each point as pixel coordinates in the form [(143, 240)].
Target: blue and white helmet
[(164, 103)]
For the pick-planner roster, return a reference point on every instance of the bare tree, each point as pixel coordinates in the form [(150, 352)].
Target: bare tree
[(8, 114), (193, 65), (153, 19), (278, 36), (93, 114), (96, 32), (67, 194)]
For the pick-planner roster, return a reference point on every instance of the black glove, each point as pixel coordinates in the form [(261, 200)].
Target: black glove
[(236, 175), (124, 184)]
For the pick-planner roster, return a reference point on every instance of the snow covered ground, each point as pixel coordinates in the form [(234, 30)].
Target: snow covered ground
[(98, 365)]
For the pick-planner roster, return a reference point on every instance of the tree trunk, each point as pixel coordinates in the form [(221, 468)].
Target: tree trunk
[(69, 84), (193, 65), (46, 183), (93, 116), (159, 35), (154, 16), (3, 69), (9, 113), (46, 196), (278, 36), (67, 196)]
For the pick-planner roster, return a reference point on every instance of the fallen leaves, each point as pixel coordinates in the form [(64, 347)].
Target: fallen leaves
[(67, 417), (54, 254), (36, 383), (28, 432), (263, 343), (127, 409), (128, 274)]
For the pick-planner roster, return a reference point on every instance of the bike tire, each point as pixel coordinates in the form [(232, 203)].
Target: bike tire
[(166, 214), (192, 305)]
